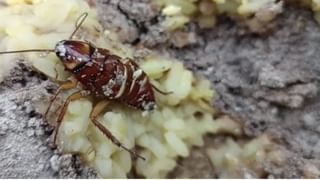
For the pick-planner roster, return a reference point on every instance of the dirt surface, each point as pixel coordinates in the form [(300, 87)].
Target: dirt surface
[(270, 83), (26, 149)]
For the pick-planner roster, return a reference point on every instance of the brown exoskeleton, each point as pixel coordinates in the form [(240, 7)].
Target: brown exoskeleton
[(103, 75)]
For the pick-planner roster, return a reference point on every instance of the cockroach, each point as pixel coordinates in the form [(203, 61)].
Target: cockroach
[(103, 75)]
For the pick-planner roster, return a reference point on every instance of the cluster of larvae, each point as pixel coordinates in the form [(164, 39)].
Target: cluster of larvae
[(255, 14)]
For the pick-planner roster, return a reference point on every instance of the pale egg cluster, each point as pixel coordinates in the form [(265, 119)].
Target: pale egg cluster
[(255, 14), (246, 158)]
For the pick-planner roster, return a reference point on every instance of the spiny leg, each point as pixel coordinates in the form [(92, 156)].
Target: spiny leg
[(72, 97), (56, 71), (160, 91), (98, 108), (65, 86)]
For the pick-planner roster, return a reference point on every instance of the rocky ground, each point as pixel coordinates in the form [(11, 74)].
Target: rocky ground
[(270, 83)]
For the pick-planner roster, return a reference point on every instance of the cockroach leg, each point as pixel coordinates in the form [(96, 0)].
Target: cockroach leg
[(55, 70), (75, 96), (67, 85), (160, 91), (98, 108)]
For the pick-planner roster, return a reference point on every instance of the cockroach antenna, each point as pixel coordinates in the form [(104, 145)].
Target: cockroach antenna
[(78, 24), (28, 50)]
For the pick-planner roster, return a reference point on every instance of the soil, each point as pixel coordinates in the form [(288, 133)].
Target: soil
[(270, 83)]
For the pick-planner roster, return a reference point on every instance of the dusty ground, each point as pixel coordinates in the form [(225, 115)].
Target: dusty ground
[(271, 83)]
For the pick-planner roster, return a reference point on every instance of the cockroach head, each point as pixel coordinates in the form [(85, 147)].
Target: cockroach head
[(73, 54)]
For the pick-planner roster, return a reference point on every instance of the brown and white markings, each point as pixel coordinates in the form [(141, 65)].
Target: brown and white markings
[(105, 75), (102, 75)]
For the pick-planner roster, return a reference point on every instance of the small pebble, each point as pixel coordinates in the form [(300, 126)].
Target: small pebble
[(55, 163)]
